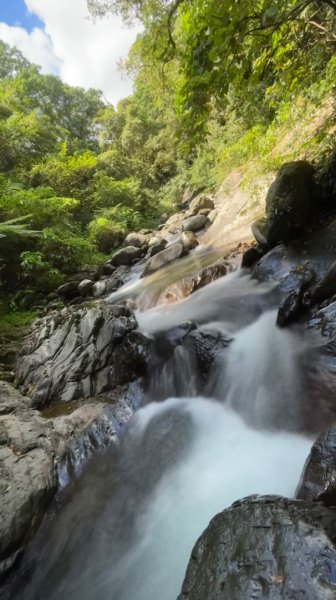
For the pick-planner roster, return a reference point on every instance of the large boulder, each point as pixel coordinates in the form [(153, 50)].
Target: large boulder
[(28, 480), (126, 256), (200, 203), (195, 223), (265, 547), (136, 239), (85, 287), (37, 455), (77, 353), (156, 245), (289, 202), (318, 479), (316, 248), (163, 258), (69, 290)]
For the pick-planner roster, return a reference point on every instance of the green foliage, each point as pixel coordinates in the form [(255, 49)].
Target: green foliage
[(40, 272), (17, 228), (110, 226), (13, 322)]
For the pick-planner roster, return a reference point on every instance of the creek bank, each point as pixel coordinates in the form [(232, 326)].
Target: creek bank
[(38, 455), (82, 358), (87, 350)]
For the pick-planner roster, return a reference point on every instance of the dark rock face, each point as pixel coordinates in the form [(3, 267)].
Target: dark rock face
[(207, 275), (316, 248), (76, 353), (251, 256), (68, 290), (163, 258), (293, 288), (289, 201), (318, 479), (181, 358), (195, 223), (326, 287), (265, 547), (126, 256)]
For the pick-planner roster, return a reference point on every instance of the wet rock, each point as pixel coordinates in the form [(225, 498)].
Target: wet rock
[(293, 287), (265, 547), (324, 320), (69, 290), (111, 283), (326, 287), (75, 353), (126, 256), (317, 247), (27, 473), (205, 345), (200, 203), (163, 258), (108, 269), (259, 231), (289, 201), (207, 275), (186, 353), (189, 240), (40, 454), (204, 211), (136, 240), (251, 256), (318, 479), (85, 287), (195, 223)]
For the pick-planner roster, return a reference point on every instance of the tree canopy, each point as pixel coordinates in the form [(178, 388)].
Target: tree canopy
[(274, 45)]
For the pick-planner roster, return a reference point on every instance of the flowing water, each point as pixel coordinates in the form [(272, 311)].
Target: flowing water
[(126, 527)]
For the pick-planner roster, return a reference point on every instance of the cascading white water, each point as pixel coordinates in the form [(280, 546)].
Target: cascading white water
[(226, 460), (128, 532), (232, 301), (260, 376)]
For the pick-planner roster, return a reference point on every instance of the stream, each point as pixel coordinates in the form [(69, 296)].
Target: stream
[(124, 530)]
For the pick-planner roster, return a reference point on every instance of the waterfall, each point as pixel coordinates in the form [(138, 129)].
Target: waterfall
[(126, 528)]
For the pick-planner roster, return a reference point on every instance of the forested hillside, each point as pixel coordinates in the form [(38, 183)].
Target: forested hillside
[(217, 85)]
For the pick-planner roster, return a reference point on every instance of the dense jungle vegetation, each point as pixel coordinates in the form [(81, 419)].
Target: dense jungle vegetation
[(216, 85)]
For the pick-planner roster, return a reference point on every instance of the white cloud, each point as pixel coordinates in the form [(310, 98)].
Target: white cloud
[(36, 46), (83, 53)]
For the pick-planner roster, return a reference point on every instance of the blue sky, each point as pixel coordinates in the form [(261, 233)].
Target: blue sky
[(15, 12), (60, 37)]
